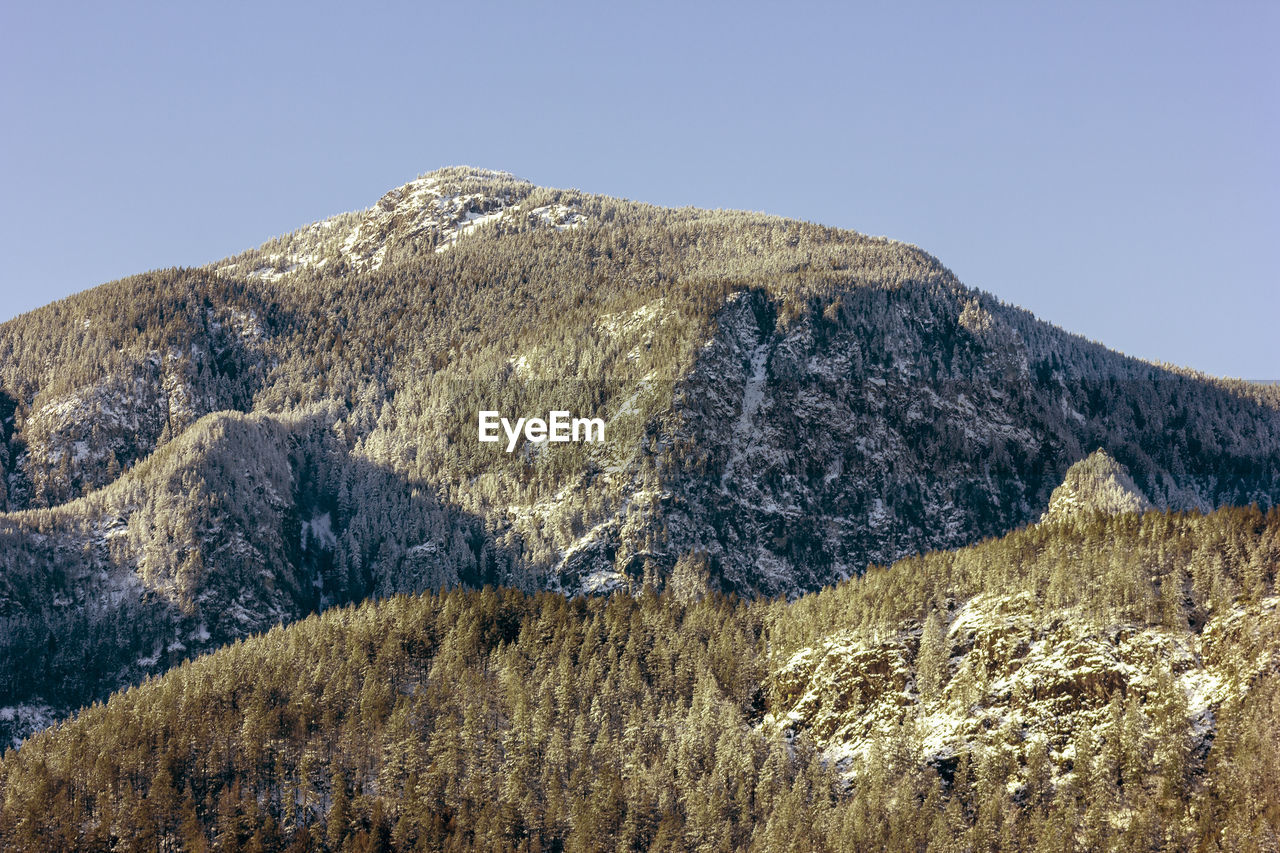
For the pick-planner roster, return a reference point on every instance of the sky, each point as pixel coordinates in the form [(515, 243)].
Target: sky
[(1110, 166)]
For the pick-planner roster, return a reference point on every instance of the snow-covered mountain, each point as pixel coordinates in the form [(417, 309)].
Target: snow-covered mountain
[(215, 450)]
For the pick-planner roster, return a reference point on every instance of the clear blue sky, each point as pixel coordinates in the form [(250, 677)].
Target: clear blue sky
[(1111, 166)]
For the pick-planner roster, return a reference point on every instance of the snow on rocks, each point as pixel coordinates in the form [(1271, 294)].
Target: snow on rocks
[(1012, 666), (440, 208), (24, 718)]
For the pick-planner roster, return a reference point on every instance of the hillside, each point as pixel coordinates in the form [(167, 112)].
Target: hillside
[(986, 698), (220, 449), (1095, 484)]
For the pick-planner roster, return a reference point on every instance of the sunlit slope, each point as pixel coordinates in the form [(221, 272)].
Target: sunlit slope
[(956, 699)]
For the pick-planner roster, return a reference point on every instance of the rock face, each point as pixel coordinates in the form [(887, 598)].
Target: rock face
[(79, 437), (889, 422), (1095, 484), (1016, 676)]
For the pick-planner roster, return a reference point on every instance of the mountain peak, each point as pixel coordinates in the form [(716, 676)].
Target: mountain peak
[(438, 207), (1097, 483)]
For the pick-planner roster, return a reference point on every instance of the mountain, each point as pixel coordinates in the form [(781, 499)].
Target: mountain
[(190, 456), (1005, 696)]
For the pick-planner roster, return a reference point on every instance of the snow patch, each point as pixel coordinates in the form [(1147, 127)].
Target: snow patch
[(744, 431), (319, 532)]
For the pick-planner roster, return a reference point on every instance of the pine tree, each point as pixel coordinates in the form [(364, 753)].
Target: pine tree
[(933, 658)]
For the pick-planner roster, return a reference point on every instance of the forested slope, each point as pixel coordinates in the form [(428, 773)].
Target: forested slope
[(499, 720)]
